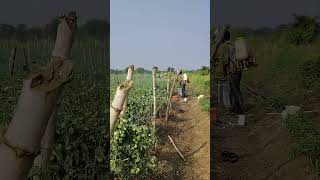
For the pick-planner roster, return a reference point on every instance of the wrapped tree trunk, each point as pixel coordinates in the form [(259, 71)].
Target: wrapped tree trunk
[(47, 143), (170, 95), (129, 78), (154, 87), (37, 103), (118, 101), (62, 49)]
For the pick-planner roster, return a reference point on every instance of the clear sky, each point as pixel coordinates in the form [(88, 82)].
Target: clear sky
[(159, 32), (39, 12), (260, 13)]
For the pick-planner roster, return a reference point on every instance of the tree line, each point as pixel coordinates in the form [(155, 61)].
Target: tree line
[(204, 70), (94, 28), (302, 30)]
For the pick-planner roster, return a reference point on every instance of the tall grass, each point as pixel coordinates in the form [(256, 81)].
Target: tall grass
[(200, 84)]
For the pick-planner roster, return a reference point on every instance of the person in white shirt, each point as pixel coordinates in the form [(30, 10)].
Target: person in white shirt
[(183, 83)]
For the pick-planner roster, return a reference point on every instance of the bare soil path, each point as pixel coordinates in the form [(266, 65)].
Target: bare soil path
[(263, 147), (189, 127)]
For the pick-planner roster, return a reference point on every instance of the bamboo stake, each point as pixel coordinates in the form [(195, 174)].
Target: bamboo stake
[(91, 59), (170, 95), (118, 101), (129, 78), (12, 60), (38, 99), (154, 70), (26, 61), (175, 147), (168, 82)]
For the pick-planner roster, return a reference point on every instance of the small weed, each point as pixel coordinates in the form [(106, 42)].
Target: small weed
[(277, 103)]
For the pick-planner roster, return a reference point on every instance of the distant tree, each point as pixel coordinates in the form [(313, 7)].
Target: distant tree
[(140, 70), (6, 31), (35, 33), (95, 28), (21, 32), (303, 29), (50, 29), (170, 69), (204, 70)]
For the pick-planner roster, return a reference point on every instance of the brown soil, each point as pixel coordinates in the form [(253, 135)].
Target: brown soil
[(189, 127), (263, 145)]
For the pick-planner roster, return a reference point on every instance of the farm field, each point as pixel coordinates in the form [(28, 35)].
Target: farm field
[(138, 151), (81, 141), (287, 74)]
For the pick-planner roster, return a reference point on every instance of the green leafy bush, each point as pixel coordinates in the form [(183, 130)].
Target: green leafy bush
[(80, 150), (307, 136), (277, 103), (311, 73), (204, 71), (303, 30)]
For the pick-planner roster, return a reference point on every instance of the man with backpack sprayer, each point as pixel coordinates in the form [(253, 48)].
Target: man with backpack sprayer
[(233, 71)]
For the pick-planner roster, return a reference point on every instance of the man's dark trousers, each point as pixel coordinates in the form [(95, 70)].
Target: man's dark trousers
[(235, 92)]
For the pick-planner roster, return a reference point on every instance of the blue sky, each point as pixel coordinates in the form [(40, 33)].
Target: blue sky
[(159, 32)]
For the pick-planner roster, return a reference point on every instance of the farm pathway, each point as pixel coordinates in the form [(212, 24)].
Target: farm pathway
[(189, 127), (263, 147)]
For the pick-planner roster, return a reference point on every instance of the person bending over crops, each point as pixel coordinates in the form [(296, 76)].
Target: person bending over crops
[(183, 82), (232, 73)]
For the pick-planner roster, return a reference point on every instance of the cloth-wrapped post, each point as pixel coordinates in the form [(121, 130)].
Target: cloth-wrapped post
[(118, 101)]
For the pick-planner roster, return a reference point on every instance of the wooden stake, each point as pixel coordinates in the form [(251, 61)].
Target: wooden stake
[(154, 70), (170, 95), (168, 82), (26, 61), (175, 147), (12, 60)]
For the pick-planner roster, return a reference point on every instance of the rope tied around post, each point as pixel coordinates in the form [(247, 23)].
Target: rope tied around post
[(19, 151)]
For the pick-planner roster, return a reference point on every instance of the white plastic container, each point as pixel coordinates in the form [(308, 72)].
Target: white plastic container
[(180, 91), (241, 120)]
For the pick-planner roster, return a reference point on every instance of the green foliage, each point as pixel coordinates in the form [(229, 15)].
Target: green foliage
[(307, 136), (311, 73), (200, 84), (204, 104), (81, 147), (134, 136), (277, 103), (50, 28), (170, 69), (204, 71), (303, 30), (130, 147), (98, 29), (82, 140)]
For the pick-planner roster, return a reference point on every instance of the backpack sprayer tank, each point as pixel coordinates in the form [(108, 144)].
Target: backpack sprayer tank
[(242, 54)]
